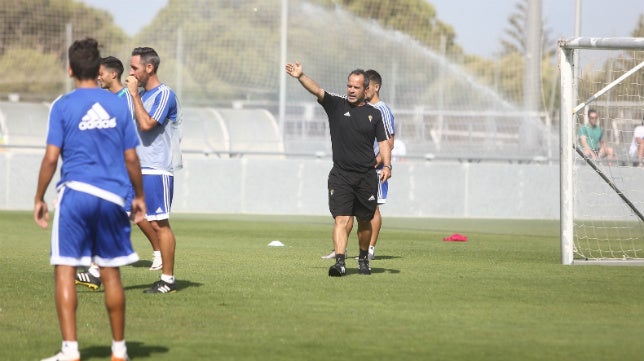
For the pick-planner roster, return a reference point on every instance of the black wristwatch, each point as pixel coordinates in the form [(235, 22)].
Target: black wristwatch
[(387, 165)]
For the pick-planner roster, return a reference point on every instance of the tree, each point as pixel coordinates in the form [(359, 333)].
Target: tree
[(414, 17), (516, 37)]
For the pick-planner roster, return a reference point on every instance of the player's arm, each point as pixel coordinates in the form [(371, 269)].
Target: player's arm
[(47, 170), (390, 142), (295, 70), (143, 118), (133, 167)]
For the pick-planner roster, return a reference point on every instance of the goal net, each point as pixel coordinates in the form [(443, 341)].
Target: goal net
[(602, 182)]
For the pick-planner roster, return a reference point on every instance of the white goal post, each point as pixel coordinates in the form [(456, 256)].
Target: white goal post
[(601, 198)]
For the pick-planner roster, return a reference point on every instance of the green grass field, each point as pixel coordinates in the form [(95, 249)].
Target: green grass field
[(503, 295)]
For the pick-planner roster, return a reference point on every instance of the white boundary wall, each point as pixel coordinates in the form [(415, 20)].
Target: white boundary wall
[(298, 186)]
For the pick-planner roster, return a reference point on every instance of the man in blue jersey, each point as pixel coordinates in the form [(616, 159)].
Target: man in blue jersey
[(92, 131), (109, 78), (158, 117), (352, 182)]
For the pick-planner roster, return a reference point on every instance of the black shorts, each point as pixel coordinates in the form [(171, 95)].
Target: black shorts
[(353, 193)]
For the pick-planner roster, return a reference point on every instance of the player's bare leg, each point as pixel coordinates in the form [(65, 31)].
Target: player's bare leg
[(376, 225)]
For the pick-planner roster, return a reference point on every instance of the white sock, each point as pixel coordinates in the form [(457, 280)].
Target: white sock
[(156, 254), (167, 278), (119, 349), (70, 348), (94, 271), (372, 248)]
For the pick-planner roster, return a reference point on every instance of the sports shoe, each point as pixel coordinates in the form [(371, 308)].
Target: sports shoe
[(337, 270), (126, 358), (363, 266), (329, 256), (162, 286), (88, 280), (372, 253), (157, 264), (60, 356)]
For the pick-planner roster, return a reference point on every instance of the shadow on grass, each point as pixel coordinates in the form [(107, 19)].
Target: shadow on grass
[(181, 285), (379, 257), (134, 350), (354, 271), (142, 263)]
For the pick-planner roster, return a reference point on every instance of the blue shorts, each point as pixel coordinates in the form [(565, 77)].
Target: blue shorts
[(383, 189), (159, 190), (88, 229)]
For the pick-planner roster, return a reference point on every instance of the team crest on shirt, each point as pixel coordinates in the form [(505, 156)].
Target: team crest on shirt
[(370, 118), (331, 192)]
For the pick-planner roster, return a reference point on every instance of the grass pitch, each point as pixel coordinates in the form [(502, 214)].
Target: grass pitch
[(503, 295)]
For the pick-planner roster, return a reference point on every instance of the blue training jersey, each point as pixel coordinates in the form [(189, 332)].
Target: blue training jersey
[(387, 120), (93, 128), (160, 146)]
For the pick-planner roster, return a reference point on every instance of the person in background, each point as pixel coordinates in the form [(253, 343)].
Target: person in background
[(636, 150), (92, 132), (591, 139), (352, 182), (158, 116)]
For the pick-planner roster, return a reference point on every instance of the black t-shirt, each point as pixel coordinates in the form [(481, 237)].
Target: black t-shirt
[(353, 130)]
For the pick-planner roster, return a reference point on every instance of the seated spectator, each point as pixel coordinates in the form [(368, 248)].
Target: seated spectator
[(636, 150), (591, 139)]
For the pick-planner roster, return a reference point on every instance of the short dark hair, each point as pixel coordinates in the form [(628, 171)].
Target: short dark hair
[(84, 58), (374, 77), (148, 56), (364, 75), (113, 63)]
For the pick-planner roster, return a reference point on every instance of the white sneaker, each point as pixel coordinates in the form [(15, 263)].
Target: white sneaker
[(62, 357), (329, 256), (157, 264)]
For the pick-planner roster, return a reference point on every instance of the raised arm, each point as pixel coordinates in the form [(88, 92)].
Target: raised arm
[(295, 70)]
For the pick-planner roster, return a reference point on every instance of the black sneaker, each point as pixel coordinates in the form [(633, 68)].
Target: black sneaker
[(162, 287), (363, 266), (88, 280), (337, 270)]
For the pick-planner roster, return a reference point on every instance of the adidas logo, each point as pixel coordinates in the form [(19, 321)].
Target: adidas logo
[(372, 198), (97, 118), (159, 210), (347, 114)]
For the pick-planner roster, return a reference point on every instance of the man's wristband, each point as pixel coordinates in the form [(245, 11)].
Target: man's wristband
[(387, 166), (301, 75)]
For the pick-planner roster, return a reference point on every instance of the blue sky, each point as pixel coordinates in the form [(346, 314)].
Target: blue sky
[(599, 18), (479, 25)]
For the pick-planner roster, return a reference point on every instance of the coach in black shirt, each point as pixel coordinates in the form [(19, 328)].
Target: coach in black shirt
[(353, 181)]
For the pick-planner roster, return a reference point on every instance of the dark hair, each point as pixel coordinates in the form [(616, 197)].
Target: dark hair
[(591, 110), (84, 58), (374, 76), (364, 75), (113, 63), (148, 56)]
